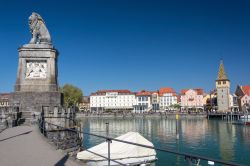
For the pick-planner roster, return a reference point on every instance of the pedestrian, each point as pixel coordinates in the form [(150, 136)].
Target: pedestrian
[(34, 116), (6, 123)]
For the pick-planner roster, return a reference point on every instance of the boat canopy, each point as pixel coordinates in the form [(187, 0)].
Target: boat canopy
[(122, 152)]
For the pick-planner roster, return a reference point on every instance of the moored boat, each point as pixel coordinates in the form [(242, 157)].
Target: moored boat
[(242, 122), (245, 117), (121, 152)]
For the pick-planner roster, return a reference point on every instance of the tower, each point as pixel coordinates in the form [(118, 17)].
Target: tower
[(36, 87), (223, 90)]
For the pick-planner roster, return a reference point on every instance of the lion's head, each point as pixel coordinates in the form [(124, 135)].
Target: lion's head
[(34, 19)]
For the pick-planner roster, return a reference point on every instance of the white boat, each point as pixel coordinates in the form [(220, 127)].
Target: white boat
[(124, 153), (245, 117)]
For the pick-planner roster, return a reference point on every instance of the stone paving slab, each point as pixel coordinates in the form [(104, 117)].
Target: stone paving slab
[(25, 146)]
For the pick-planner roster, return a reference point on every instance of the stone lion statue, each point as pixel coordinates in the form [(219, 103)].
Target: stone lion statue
[(38, 29)]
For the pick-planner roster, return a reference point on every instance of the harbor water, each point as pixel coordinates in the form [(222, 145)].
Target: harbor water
[(211, 138)]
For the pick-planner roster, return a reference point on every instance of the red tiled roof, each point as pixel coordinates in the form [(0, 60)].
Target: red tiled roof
[(183, 91), (144, 93), (103, 92), (4, 95), (166, 90), (119, 91), (246, 90), (198, 90)]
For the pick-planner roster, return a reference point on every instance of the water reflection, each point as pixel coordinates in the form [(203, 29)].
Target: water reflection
[(194, 132), (211, 138)]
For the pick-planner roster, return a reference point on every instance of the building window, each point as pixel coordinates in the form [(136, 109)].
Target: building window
[(224, 82), (219, 82)]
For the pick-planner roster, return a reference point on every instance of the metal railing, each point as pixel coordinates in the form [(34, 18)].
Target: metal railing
[(188, 157)]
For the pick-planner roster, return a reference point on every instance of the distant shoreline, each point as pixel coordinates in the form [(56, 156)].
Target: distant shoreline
[(153, 115)]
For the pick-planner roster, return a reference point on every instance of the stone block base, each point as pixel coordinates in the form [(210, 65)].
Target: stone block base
[(36, 101)]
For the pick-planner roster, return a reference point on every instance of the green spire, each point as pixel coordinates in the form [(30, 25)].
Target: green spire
[(222, 74)]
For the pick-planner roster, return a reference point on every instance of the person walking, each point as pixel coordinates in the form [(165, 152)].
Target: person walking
[(6, 123)]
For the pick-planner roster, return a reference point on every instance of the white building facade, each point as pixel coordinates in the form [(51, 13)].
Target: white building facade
[(113, 100), (4, 100), (143, 102), (168, 98)]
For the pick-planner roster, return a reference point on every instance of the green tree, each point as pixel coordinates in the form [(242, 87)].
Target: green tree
[(72, 95), (176, 106)]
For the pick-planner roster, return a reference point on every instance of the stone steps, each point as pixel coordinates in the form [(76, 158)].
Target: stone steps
[(26, 118)]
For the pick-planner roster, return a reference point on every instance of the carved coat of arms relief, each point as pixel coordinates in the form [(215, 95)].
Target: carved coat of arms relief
[(36, 70)]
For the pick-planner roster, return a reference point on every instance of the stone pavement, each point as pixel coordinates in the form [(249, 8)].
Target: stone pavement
[(25, 146)]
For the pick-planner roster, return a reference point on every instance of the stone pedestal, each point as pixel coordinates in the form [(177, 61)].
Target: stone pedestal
[(37, 69), (36, 84), (36, 101)]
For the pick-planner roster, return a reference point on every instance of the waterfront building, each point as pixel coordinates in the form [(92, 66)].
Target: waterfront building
[(178, 99), (243, 97), (223, 90), (112, 100), (155, 101), (84, 105), (4, 100), (168, 98), (234, 107), (192, 99), (143, 101), (210, 101)]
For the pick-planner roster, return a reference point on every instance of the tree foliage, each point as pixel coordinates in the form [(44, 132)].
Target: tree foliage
[(72, 95), (176, 106)]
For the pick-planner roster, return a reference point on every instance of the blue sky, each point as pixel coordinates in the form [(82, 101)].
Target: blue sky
[(132, 44)]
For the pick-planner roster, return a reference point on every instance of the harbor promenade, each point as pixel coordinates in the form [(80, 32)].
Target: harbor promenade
[(25, 146), (142, 115)]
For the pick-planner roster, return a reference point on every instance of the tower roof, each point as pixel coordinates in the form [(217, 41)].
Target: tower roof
[(222, 74)]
